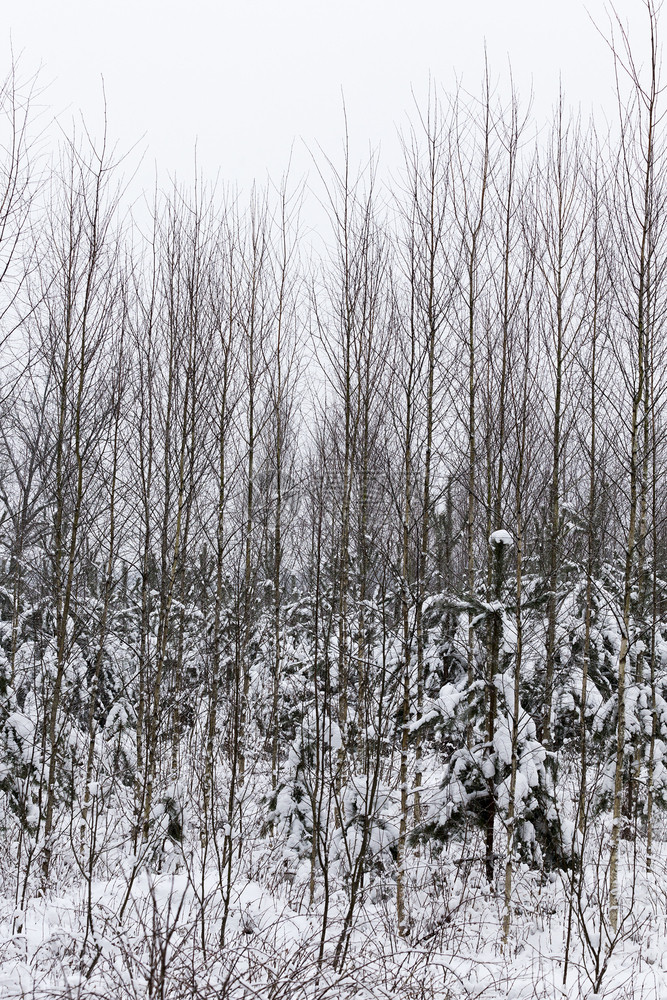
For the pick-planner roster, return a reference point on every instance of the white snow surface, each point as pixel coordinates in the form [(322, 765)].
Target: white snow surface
[(500, 537), (156, 933)]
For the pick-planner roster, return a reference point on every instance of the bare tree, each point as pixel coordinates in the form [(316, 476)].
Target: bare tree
[(78, 309)]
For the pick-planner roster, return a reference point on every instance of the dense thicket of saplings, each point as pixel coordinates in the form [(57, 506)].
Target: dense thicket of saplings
[(376, 532)]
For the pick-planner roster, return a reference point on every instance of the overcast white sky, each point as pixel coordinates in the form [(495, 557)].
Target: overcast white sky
[(246, 79)]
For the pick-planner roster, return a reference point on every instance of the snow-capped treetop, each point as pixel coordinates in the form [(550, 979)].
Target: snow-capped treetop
[(500, 537)]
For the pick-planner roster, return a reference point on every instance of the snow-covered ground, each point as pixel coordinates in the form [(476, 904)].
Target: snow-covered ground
[(144, 933)]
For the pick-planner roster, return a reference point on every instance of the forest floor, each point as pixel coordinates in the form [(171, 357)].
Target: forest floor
[(146, 934)]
